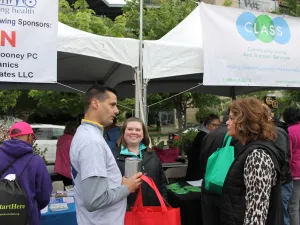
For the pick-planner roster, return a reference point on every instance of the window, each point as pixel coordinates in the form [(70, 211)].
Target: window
[(42, 133), (56, 133)]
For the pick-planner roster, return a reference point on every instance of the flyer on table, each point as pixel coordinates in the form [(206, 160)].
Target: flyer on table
[(246, 48), (28, 41)]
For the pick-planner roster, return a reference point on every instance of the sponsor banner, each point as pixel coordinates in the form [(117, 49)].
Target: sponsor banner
[(28, 41), (249, 48)]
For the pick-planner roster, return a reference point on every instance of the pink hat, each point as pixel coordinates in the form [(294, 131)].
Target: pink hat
[(24, 129)]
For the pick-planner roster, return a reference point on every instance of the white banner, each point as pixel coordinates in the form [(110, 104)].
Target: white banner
[(28, 41), (248, 48)]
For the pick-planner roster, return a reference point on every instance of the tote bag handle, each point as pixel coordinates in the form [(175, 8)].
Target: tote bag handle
[(139, 199)]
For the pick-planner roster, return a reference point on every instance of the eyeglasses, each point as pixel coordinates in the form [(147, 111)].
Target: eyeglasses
[(33, 137), (215, 124)]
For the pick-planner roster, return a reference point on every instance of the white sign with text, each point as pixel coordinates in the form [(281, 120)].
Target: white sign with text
[(28, 41), (243, 48)]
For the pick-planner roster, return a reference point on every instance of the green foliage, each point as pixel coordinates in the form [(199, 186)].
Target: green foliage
[(167, 105), (38, 151), (8, 99), (158, 19), (80, 16), (207, 104), (182, 102), (125, 106), (259, 95), (155, 141), (290, 7), (227, 3), (185, 141), (291, 98), (202, 114), (62, 102), (288, 99)]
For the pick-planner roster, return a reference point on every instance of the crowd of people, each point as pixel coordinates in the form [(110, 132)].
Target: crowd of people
[(262, 185)]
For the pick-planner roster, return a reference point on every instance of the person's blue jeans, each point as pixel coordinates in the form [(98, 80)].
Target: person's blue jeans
[(286, 193)]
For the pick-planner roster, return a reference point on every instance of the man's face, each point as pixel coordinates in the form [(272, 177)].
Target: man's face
[(106, 109), (31, 139)]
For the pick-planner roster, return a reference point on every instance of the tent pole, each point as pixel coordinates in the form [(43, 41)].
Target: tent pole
[(139, 73), (232, 93), (142, 97), (136, 111), (145, 101)]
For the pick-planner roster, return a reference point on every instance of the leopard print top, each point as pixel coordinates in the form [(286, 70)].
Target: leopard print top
[(259, 178)]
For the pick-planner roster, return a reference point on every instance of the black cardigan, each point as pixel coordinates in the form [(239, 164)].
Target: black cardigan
[(151, 167)]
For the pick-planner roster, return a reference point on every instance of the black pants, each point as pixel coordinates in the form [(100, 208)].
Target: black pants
[(210, 208), (67, 181)]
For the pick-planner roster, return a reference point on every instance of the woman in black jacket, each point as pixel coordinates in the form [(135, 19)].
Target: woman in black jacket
[(134, 142), (252, 188)]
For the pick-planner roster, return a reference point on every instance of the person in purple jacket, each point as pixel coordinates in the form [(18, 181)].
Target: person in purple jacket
[(35, 179), (291, 117)]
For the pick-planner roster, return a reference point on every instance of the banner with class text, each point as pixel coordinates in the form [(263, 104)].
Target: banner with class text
[(28, 41), (244, 48)]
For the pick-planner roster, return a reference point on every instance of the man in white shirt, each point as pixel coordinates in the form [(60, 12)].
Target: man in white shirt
[(100, 191)]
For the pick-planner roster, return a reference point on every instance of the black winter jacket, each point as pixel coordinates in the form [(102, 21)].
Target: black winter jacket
[(210, 200), (233, 205), (193, 169), (283, 145), (151, 167)]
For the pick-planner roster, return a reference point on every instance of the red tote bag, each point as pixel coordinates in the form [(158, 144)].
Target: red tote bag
[(150, 215)]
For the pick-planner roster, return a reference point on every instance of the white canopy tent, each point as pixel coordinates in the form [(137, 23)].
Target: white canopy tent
[(179, 52), (105, 59)]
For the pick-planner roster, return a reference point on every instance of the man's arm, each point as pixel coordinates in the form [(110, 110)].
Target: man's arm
[(96, 192), (97, 195)]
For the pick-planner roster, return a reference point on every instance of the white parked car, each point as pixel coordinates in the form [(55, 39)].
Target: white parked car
[(47, 136)]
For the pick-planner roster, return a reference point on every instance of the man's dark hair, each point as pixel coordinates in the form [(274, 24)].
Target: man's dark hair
[(70, 128), (210, 117), (291, 116), (96, 91)]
